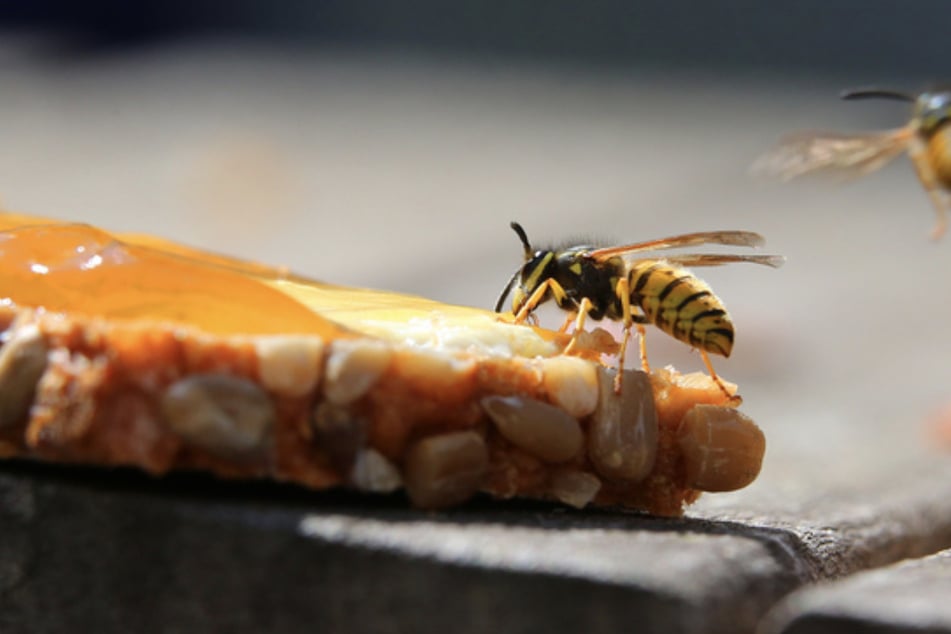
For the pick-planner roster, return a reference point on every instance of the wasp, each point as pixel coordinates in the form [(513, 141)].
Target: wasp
[(926, 138), (619, 284)]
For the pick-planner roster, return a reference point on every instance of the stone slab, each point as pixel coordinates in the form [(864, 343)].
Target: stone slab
[(113, 551), (117, 552), (912, 596)]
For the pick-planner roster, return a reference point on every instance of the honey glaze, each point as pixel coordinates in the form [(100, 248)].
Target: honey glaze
[(80, 269)]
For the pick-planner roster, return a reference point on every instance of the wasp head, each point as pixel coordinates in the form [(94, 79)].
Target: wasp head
[(932, 109), (535, 270)]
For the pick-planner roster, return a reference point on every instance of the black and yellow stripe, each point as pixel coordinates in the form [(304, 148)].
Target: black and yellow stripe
[(682, 305)]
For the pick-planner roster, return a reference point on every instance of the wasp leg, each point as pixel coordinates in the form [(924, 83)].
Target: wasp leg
[(734, 399), (536, 298), (623, 292), (941, 225), (570, 317), (583, 309), (642, 342), (919, 158)]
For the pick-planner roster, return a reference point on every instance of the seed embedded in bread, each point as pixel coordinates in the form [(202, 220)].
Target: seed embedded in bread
[(353, 366), (446, 469), (289, 366), (572, 384), (541, 429), (722, 448), (622, 435), (574, 488), (220, 413), (23, 359), (339, 432), (374, 473)]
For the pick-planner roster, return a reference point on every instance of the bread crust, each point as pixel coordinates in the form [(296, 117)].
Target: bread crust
[(359, 412)]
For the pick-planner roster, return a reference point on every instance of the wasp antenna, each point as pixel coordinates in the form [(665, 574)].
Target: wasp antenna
[(517, 228), (875, 93), (506, 290)]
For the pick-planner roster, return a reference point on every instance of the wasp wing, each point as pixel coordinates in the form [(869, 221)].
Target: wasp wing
[(732, 238), (716, 259), (846, 154)]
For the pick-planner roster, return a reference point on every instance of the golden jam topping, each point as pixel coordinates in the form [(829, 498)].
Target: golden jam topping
[(78, 268)]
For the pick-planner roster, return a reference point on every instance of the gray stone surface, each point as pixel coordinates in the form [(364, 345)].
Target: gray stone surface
[(402, 174), (912, 596), (113, 550)]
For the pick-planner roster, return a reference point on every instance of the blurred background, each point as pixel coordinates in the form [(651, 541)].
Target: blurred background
[(389, 145)]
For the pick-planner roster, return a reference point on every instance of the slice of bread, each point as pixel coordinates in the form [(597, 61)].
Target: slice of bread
[(275, 376)]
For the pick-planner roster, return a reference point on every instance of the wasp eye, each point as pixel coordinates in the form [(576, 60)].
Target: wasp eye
[(933, 109)]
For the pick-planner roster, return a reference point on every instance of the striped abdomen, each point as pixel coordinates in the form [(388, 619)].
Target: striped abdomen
[(681, 305), (939, 154)]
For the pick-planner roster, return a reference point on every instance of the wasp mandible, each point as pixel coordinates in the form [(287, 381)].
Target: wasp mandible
[(619, 284), (926, 138)]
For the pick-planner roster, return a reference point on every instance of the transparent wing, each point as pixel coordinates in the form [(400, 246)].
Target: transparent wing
[(846, 154), (716, 259), (732, 238)]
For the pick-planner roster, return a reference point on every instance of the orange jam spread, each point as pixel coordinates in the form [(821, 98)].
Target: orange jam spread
[(78, 268)]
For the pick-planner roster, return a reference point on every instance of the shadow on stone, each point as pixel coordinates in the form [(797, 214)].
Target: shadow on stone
[(117, 550)]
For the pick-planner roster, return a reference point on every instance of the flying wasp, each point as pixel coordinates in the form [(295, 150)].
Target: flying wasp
[(926, 138), (620, 284)]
